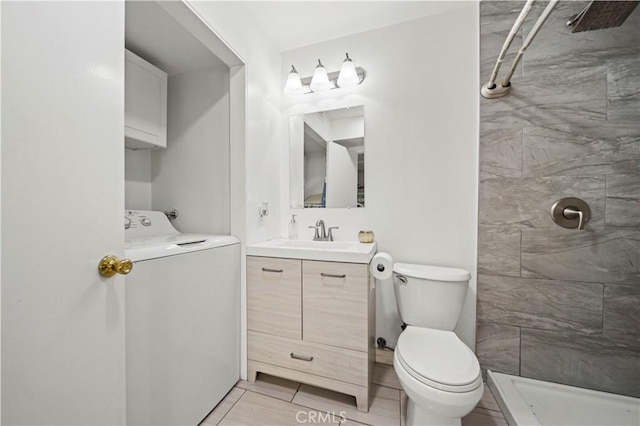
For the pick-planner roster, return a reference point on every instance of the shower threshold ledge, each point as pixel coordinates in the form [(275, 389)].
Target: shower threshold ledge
[(535, 402)]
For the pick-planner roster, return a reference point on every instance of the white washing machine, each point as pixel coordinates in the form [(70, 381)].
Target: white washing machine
[(182, 321)]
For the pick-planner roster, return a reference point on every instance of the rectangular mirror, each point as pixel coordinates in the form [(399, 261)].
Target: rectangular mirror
[(326, 159)]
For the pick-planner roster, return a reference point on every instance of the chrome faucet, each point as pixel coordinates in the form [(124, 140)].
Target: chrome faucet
[(320, 231)]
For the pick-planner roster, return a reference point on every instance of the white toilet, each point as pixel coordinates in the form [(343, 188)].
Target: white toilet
[(439, 373)]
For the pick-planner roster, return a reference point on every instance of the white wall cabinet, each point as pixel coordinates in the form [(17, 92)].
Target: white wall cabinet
[(145, 104), (312, 322)]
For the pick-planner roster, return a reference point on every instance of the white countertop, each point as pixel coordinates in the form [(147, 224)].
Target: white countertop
[(333, 251)]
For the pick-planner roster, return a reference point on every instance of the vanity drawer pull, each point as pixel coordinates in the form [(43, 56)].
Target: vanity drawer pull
[(302, 357), (322, 274), (272, 270)]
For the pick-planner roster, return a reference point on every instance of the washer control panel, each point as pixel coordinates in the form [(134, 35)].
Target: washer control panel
[(145, 223), (134, 219)]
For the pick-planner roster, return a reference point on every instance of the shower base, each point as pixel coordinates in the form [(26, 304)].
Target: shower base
[(535, 402)]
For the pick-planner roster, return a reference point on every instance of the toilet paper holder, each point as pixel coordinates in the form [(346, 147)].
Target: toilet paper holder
[(381, 266)]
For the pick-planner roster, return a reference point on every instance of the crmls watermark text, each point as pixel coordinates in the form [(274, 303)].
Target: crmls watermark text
[(311, 417)]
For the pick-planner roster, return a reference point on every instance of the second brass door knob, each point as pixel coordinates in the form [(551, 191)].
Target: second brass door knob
[(111, 265)]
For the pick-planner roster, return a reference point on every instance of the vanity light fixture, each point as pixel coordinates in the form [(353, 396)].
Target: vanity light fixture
[(320, 81), (293, 87), (348, 76)]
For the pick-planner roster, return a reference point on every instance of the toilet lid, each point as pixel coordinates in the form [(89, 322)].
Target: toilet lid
[(438, 359), (437, 273)]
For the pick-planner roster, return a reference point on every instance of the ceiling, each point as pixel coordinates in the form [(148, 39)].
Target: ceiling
[(150, 32), (293, 24), (153, 34)]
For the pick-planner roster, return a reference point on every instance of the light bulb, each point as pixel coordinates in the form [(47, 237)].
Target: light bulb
[(348, 76), (293, 87), (320, 80)]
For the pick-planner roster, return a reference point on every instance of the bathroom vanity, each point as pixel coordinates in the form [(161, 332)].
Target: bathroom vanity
[(311, 320)]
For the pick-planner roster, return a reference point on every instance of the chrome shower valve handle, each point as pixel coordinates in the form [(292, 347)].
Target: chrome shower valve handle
[(571, 213)]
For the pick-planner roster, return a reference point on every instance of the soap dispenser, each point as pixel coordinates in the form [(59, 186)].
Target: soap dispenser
[(293, 228)]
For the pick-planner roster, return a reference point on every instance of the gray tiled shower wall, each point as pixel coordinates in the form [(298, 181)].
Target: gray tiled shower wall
[(556, 304)]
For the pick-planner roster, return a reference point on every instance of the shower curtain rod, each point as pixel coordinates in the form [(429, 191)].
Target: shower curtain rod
[(491, 90)]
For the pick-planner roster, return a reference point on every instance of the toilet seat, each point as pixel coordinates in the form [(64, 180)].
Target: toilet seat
[(438, 359)]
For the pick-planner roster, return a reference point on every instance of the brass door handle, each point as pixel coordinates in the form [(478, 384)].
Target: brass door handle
[(111, 265)]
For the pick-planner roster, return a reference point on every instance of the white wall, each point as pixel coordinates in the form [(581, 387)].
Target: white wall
[(420, 101), (137, 179), (264, 135), (320, 125), (192, 173), (347, 128)]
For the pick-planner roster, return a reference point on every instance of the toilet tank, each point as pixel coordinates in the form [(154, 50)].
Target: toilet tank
[(430, 296)]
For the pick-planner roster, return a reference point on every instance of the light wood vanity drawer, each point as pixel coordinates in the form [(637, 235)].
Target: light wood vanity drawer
[(274, 294), (335, 304), (321, 360)]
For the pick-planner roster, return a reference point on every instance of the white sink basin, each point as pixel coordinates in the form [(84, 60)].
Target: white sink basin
[(334, 251)]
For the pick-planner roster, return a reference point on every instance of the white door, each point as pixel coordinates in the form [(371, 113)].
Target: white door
[(342, 176), (62, 200)]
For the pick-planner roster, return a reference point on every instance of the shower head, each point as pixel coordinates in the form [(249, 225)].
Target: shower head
[(601, 14)]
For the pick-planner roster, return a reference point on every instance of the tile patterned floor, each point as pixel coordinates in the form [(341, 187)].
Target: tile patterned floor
[(275, 401)]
